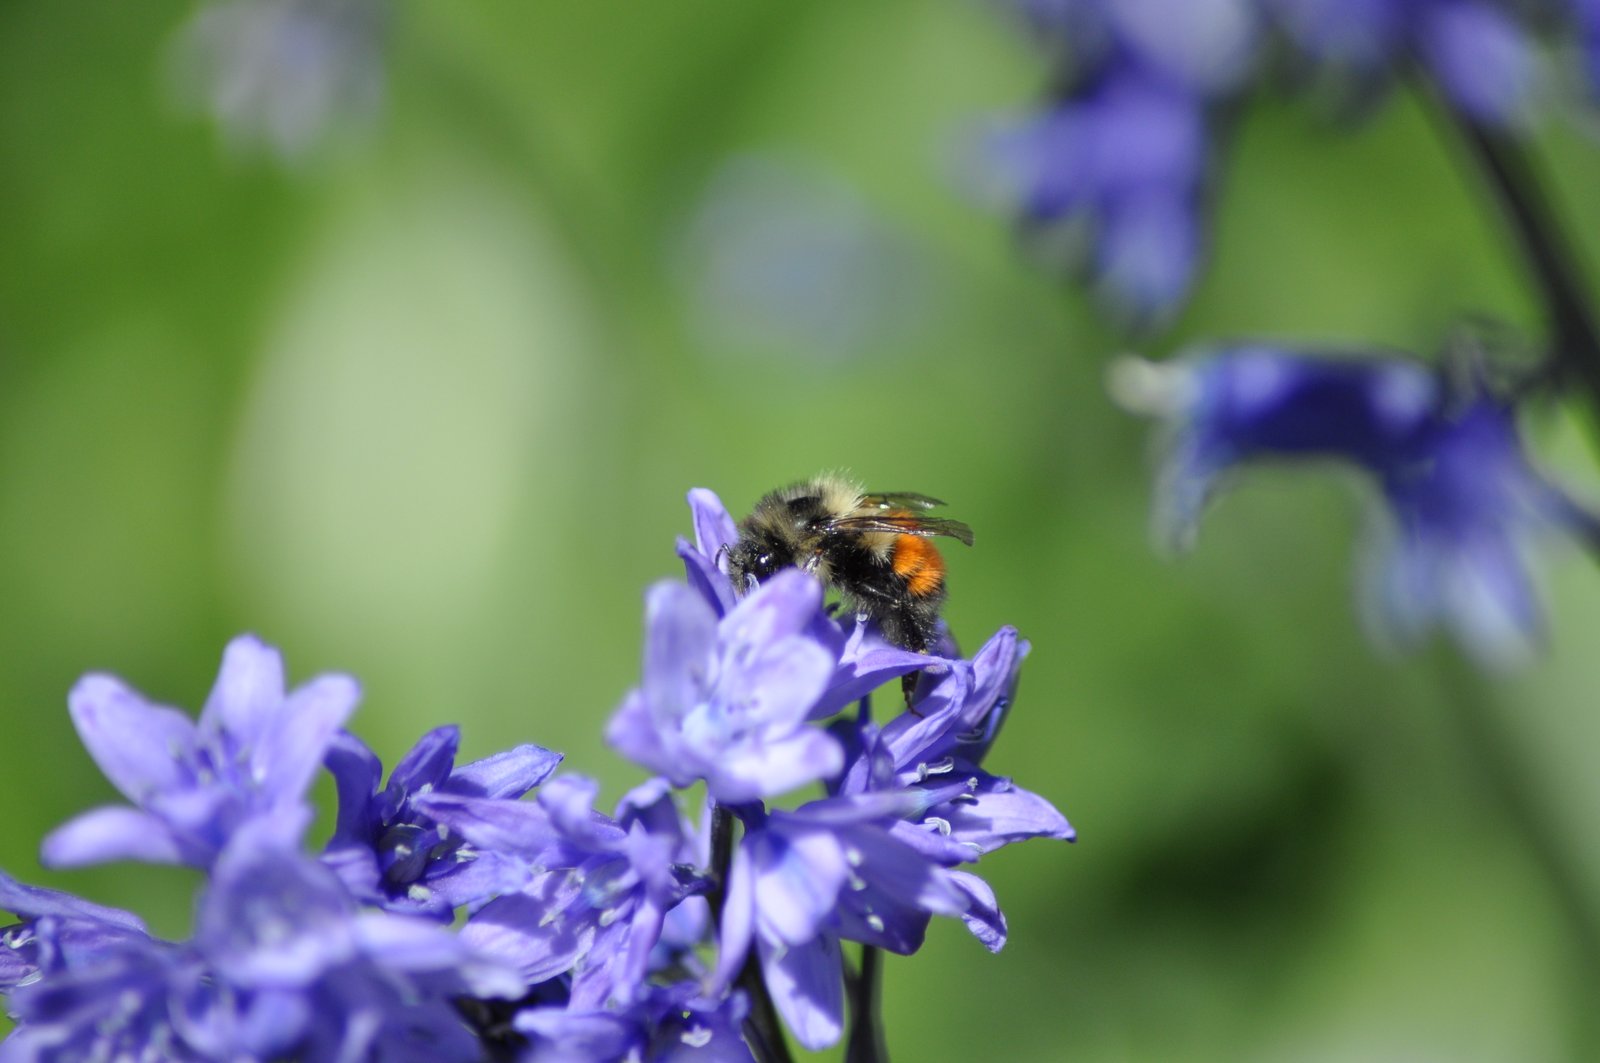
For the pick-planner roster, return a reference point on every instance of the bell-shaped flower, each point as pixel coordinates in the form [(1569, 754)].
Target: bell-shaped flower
[(833, 868), (726, 699), (1463, 508), (194, 784), (392, 854), (598, 892)]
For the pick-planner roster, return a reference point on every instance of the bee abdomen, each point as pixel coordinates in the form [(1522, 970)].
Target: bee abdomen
[(917, 561)]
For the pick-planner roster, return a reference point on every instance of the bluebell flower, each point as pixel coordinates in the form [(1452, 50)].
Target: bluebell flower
[(726, 699), (1118, 168), (56, 931), (392, 854), (664, 1024), (831, 869), (936, 753), (250, 757), (280, 74), (598, 889), (1110, 174), (348, 983), (282, 965), (1463, 507), (1479, 51)]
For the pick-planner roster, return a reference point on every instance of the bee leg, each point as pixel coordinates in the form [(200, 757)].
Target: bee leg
[(908, 685)]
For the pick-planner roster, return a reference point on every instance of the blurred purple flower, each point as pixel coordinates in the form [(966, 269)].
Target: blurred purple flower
[(665, 1024), (392, 854), (249, 759), (598, 890), (346, 984), (56, 931), (281, 74), (1117, 167), (726, 700), (1464, 508), (282, 965), (1109, 176)]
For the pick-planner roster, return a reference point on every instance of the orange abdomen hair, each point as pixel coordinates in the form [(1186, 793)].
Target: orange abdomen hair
[(917, 561)]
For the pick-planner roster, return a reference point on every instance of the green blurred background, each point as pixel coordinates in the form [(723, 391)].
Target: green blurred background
[(424, 408)]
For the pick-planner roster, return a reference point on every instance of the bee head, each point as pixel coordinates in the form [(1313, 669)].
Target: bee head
[(753, 559)]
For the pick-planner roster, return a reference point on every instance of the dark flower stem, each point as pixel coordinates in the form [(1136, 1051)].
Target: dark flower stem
[(866, 1043), (761, 1028), (1511, 172)]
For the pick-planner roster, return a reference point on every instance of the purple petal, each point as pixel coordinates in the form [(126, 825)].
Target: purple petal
[(983, 916), (738, 922), (1001, 813), (707, 579), (680, 633), (114, 833), (248, 690), (797, 882), (428, 763), (714, 530), (806, 989), (776, 767), (290, 750), (36, 902), (139, 746), (902, 873), (781, 607), (781, 682), (508, 774), (356, 771), (491, 823), (528, 929), (1485, 61), (633, 733)]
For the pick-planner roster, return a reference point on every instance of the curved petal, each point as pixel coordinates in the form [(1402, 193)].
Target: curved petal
[(248, 690), (738, 923), (807, 990), (775, 767), (37, 902), (139, 746), (428, 763), (356, 771), (508, 774), (680, 633), (983, 916), (797, 882), (288, 752), (114, 833), (1000, 813)]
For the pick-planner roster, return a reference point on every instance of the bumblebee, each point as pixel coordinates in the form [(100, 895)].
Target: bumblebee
[(873, 549)]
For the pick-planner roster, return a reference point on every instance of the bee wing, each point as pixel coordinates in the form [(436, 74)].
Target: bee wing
[(907, 524), (899, 500)]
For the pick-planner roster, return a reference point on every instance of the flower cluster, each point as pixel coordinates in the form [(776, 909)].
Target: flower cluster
[(488, 910), (733, 692), (1113, 168), (1461, 505)]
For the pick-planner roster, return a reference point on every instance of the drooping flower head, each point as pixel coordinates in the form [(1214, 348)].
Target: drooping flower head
[(1463, 505), (1109, 175), (391, 853), (250, 757)]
